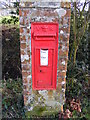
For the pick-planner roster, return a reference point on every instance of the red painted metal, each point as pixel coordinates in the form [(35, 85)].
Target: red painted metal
[(44, 47)]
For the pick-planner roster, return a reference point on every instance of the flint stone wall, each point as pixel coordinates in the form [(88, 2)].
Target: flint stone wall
[(50, 100)]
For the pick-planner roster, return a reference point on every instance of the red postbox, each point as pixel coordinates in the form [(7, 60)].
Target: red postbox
[(44, 46)]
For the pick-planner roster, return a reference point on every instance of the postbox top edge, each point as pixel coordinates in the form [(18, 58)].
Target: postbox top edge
[(50, 23)]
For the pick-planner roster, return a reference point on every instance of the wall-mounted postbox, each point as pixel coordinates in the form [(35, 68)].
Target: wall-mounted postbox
[(44, 44)]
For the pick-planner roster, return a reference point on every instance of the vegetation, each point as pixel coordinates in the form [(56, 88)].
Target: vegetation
[(12, 100), (77, 95), (10, 20), (79, 24)]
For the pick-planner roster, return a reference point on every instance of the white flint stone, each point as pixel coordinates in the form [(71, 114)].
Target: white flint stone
[(63, 48), (61, 12), (24, 83), (25, 50), (61, 32), (63, 89), (52, 103), (23, 41), (39, 99), (26, 57), (31, 108), (44, 93), (48, 0), (22, 4), (22, 58), (43, 3), (63, 63), (29, 76), (28, 27), (63, 71), (63, 82), (7, 39)]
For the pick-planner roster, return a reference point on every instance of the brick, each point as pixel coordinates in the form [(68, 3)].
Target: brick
[(29, 38), (62, 108), (25, 74), (65, 30), (21, 30), (59, 87), (65, 21), (22, 52), (62, 74), (68, 45), (20, 12), (25, 13), (62, 67), (63, 59), (26, 93), (63, 53), (26, 67), (21, 38), (55, 20), (61, 37), (25, 100), (64, 43), (60, 45), (28, 52), (28, 30), (65, 4), (64, 80), (28, 47), (26, 62), (24, 38), (24, 87), (21, 19), (24, 80), (26, 22), (59, 80), (23, 45), (68, 14), (69, 19), (30, 82)]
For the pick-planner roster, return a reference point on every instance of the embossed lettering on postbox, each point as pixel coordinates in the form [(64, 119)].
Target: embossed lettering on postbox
[(44, 46)]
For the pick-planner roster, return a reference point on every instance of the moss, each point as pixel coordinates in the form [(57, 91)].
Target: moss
[(50, 113), (39, 111)]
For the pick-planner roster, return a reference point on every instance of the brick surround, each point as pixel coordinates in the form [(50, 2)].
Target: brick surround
[(51, 100)]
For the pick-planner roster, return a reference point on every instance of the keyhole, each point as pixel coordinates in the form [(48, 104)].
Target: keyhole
[(40, 70)]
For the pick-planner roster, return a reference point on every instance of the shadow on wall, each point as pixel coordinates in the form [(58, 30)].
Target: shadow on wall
[(11, 66)]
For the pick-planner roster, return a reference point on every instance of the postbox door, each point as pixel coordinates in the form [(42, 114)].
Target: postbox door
[(44, 44), (44, 68)]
